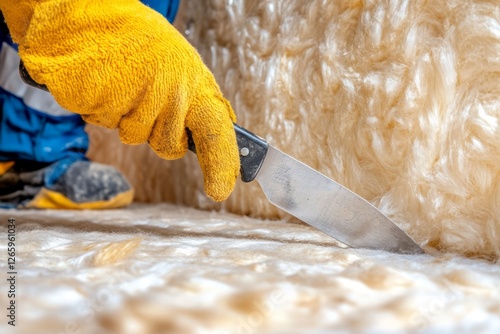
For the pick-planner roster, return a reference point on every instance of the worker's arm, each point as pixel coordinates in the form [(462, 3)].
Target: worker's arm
[(121, 65)]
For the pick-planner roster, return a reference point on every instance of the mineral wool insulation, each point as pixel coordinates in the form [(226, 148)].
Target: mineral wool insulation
[(171, 269), (397, 100)]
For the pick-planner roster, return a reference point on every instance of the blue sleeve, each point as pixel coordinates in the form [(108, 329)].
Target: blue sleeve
[(167, 8)]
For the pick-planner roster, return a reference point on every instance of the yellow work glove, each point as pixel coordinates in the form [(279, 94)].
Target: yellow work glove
[(121, 65)]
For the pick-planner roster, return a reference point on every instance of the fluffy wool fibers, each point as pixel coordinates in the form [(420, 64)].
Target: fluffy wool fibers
[(397, 100), (164, 268)]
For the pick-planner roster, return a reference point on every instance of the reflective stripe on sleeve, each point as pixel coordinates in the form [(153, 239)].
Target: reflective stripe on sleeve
[(11, 81)]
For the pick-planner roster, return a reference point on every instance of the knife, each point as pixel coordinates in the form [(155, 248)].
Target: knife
[(309, 195), (316, 199)]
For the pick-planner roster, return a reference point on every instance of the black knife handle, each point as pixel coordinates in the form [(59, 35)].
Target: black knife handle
[(252, 149), (28, 79)]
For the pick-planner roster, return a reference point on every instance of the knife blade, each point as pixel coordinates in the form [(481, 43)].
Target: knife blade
[(309, 195), (316, 199)]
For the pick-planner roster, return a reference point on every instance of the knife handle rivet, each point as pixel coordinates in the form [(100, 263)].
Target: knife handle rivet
[(244, 151)]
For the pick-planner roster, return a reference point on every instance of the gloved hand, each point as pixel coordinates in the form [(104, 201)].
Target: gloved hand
[(122, 65)]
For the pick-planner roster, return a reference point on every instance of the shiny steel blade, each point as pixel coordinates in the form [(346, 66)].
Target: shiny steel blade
[(325, 204)]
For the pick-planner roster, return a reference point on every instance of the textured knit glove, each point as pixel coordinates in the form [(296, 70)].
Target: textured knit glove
[(121, 65)]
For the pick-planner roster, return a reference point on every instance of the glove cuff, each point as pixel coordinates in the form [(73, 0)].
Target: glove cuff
[(18, 14)]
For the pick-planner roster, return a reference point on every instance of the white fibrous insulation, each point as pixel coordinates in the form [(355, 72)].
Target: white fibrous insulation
[(397, 100), (151, 269)]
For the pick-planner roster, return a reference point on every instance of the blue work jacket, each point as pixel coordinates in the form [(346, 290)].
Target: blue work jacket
[(32, 125)]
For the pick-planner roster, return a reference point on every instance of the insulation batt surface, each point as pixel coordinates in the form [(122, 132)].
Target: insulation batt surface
[(397, 100), (171, 269)]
